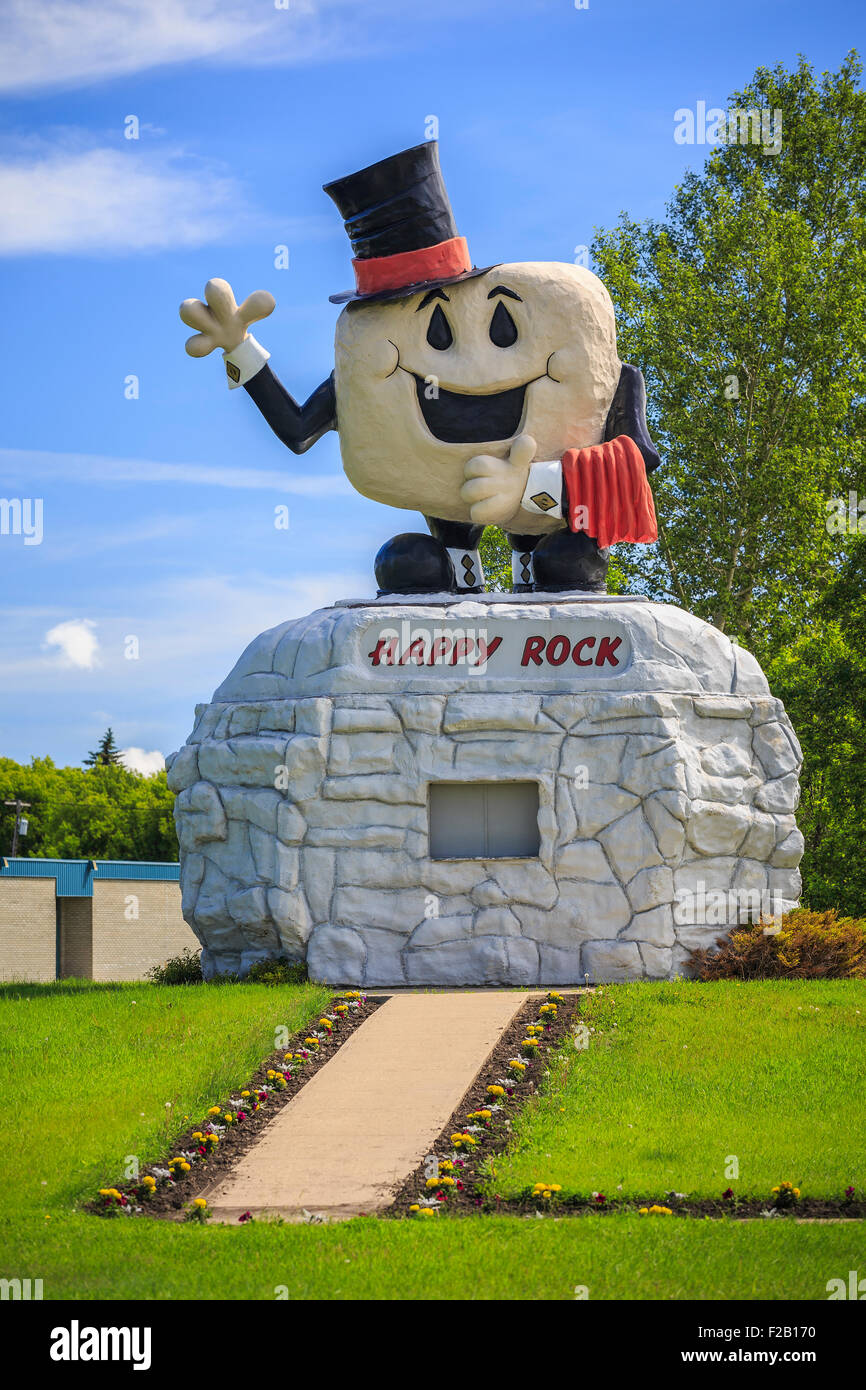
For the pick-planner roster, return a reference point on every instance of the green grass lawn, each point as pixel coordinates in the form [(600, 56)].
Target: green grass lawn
[(86, 1071), (680, 1076), (92, 1073), (472, 1259)]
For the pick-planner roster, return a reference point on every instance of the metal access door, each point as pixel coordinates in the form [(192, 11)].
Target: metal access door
[(483, 820)]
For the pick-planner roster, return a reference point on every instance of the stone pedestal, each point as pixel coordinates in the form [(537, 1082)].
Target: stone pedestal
[(666, 775)]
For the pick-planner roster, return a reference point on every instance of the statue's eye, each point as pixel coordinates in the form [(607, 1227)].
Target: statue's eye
[(439, 334), (503, 329)]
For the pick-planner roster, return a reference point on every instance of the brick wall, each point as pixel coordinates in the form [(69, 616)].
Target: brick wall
[(137, 923), (76, 943), (28, 928)]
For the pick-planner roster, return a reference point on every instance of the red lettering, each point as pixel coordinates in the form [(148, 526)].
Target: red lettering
[(415, 652), (462, 647), (532, 651), (484, 651), (440, 649), (384, 652), (607, 651), (560, 646), (578, 648)]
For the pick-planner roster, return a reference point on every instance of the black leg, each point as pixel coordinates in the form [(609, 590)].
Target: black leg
[(570, 561), (461, 540), (521, 561)]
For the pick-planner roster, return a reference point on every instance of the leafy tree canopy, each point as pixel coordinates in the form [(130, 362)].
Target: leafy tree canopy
[(106, 812)]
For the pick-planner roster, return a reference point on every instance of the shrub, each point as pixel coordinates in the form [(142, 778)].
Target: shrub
[(278, 971), (184, 969), (809, 946)]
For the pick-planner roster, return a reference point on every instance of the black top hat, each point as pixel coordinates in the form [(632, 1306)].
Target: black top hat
[(398, 218)]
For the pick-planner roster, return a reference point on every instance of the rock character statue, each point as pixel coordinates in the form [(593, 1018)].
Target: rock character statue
[(475, 396)]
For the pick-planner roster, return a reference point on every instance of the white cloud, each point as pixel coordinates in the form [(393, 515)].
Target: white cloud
[(70, 43), (36, 463), (76, 642), (138, 760), (61, 200), (191, 632)]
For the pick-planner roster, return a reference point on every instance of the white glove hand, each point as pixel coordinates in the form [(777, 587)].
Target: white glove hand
[(221, 323), (494, 487)]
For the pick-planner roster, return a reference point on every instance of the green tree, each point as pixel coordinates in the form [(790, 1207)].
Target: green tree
[(496, 558), (107, 754), (821, 676), (105, 812), (746, 310)]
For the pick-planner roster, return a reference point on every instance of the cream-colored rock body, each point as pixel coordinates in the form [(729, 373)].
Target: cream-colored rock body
[(565, 356)]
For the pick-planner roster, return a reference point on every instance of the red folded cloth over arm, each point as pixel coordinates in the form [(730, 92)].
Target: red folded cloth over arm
[(608, 494)]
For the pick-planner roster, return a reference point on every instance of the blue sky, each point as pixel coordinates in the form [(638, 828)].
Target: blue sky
[(158, 512)]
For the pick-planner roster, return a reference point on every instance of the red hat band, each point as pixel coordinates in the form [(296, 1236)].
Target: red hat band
[(395, 272)]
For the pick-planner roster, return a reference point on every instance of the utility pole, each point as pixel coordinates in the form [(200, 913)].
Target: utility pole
[(19, 807)]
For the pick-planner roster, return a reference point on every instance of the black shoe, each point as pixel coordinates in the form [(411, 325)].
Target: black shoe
[(570, 562), (414, 564)]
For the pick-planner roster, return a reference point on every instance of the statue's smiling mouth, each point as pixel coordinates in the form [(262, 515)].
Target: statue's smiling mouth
[(464, 417), (456, 417)]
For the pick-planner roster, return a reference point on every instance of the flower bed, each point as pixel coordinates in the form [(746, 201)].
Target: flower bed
[(205, 1153), (452, 1177)]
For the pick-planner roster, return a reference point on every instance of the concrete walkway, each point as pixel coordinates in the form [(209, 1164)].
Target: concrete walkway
[(372, 1113)]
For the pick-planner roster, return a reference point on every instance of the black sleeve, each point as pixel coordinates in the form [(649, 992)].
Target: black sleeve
[(627, 415), (298, 426)]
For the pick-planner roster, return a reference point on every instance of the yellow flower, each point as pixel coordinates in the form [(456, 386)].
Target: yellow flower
[(644, 1211), (445, 1165), (215, 1110), (229, 1118), (496, 1090), (414, 1207), (199, 1202)]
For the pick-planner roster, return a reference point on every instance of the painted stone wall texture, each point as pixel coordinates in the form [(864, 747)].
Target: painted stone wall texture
[(667, 778)]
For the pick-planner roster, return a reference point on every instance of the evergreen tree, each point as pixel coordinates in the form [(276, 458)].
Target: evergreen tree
[(106, 755)]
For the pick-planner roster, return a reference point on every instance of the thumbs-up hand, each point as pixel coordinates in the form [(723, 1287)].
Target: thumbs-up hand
[(221, 322), (494, 487)]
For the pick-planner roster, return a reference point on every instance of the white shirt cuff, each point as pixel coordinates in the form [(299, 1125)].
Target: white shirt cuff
[(244, 361), (543, 493)]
